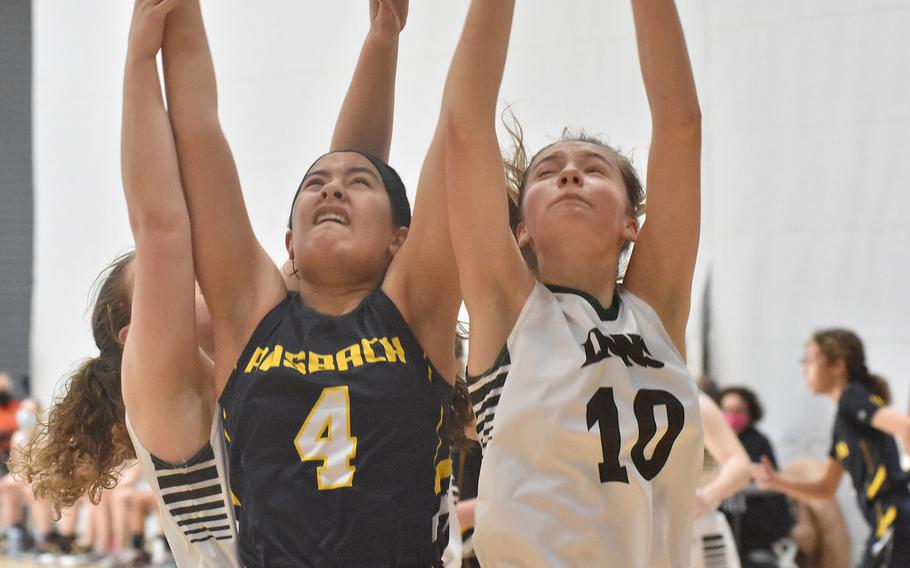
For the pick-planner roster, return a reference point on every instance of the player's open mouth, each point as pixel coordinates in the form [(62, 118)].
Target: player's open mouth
[(334, 216)]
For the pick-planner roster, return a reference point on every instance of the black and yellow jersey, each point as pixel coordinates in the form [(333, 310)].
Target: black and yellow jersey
[(336, 439), (870, 456)]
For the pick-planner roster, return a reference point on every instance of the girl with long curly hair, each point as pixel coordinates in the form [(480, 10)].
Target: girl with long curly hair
[(149, 393)]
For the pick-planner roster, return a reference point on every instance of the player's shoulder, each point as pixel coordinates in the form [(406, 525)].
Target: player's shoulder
[(857, 403)]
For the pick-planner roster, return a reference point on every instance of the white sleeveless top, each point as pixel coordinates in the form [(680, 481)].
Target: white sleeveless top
[(592, 439), (194, 501)]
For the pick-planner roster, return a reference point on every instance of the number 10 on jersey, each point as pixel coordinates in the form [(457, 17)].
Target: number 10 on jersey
[(326, 437), (603, 412)]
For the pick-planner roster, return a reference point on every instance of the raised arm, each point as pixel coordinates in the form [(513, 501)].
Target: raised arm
[(365, 120), (663, 259), (494, 280), (723, 445), (239, 280), (166, 382)]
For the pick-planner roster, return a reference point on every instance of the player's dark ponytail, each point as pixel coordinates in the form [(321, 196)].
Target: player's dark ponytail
[(84, 444), (843, 344), (462, 415)]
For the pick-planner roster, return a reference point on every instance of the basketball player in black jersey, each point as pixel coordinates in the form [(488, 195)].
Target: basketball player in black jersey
[(862, 444), (153, 332), (335, 395)]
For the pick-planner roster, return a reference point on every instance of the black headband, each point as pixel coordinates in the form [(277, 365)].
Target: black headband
[(401, 207)]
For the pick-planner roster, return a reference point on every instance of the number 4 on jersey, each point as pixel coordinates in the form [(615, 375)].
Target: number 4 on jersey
[(326, 437), (602, 411)]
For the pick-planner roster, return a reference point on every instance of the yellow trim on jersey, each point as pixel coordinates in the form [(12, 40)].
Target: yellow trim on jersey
[(438, 437), (884, 523), (842, 450), (443, 471), (227, 437), (880, 475), (235, 501), (877, 400), (444, 467)]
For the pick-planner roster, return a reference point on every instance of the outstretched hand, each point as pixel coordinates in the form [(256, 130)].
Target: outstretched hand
[(388, 16), (147, 28), (763, 473)]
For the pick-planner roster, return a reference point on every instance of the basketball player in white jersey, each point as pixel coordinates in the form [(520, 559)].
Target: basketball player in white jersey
[(726, 470), (589, 418)]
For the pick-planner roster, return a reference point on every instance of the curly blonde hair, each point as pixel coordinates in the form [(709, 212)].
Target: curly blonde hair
[(82, 447)]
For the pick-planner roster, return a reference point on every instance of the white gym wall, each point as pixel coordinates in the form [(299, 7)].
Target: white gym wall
[(806, 112)]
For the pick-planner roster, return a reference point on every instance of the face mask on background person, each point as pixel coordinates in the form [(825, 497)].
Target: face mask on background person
[(5, 398), (737, 421)]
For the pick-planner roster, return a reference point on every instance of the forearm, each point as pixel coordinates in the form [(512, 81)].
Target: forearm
[(665, 65), (734, 476), (472, 86), (814, 490), (365, 120), (151, 178), (189, 72)]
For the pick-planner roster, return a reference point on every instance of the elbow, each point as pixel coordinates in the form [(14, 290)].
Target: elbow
[(460, 128), (743, 468), (682, 123), (195, 127), (453, 123), (160, 225)]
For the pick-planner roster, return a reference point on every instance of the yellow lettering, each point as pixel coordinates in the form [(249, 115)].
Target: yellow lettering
[(296, 361), (393, 349), (349, 356), (273, 360), (321, 362), (368, 353), (257, 358)]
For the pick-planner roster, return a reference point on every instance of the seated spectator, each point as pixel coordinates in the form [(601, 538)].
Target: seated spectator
[(760, 519)]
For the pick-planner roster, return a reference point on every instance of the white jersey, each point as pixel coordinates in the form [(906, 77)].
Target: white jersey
[(713, 545), (194, 501), (592, 439)]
